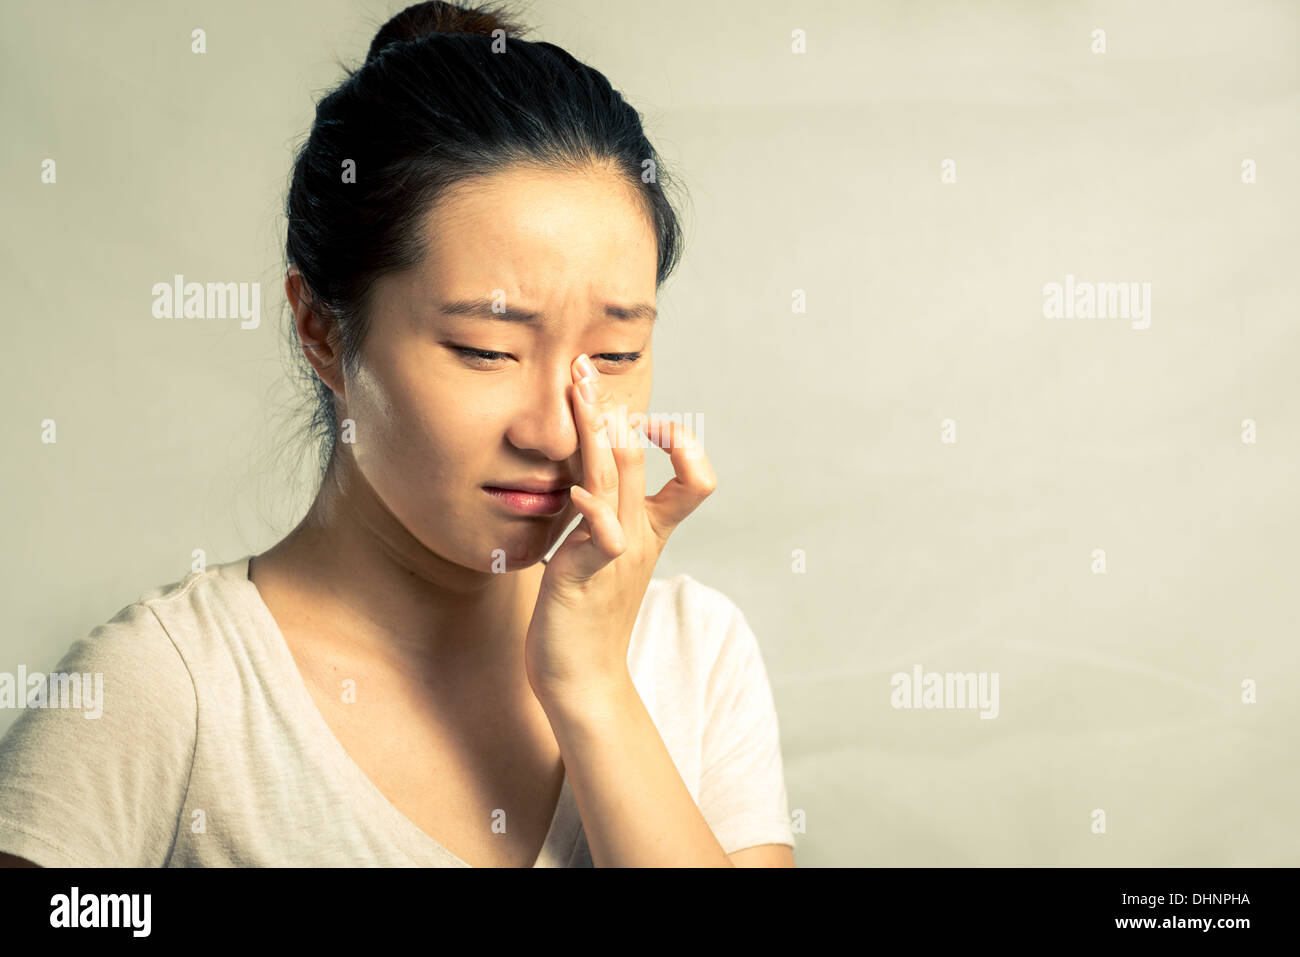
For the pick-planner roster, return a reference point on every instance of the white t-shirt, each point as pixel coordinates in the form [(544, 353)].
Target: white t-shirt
[(209, 750)]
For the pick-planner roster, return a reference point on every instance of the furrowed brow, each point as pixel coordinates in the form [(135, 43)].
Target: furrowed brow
[(483, 309)]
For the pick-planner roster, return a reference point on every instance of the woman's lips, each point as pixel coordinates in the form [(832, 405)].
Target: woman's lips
[(530, 503)]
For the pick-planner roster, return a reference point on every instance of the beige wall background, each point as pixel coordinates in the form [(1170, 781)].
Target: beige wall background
[(1118, 691)]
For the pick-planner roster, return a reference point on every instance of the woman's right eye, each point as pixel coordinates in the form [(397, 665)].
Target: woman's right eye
[(479, 355)]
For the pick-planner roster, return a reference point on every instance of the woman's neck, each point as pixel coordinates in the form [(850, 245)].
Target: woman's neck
[(368, 588)]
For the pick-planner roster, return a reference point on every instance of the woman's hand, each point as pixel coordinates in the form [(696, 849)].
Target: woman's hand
[(593, 586)]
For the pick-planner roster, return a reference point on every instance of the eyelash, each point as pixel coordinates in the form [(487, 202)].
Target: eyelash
[(620, 358)]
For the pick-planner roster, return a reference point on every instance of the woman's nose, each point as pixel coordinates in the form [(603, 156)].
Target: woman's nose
[(543, 421)]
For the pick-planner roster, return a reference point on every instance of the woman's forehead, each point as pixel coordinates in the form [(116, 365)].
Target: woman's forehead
[(536, 214), (547, 257)]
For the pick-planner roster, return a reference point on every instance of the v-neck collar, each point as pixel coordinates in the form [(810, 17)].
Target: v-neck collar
[(566, 823)]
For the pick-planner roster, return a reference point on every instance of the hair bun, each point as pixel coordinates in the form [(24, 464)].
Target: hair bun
[(423, 20)]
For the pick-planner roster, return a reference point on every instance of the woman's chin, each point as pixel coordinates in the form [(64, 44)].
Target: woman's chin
[(516, 559)]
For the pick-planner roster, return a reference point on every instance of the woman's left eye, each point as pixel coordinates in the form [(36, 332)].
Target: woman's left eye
[(623, 358)]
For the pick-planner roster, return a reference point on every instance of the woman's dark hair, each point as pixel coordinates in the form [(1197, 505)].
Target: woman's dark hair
[(446, 93)]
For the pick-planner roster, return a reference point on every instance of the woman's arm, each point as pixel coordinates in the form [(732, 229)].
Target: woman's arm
[(635, 808)]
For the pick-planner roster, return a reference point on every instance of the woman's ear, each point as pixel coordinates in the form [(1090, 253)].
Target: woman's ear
[(315, 334)]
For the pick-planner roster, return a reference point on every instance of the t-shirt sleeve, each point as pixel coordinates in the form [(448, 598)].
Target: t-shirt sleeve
[(742, 783), (97, 776)]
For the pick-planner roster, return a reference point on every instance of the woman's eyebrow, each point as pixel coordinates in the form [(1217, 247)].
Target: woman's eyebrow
[(486, 308)]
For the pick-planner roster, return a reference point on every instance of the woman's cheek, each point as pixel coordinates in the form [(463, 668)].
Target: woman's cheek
[(373, 427)]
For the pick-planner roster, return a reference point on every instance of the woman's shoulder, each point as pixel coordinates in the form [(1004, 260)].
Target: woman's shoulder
[(150, 640), (220, 581), (695, 622), (95, 768), (690, 600)]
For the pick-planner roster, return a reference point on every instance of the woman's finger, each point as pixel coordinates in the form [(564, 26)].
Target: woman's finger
[(693, 481), (590, 402), (603, 526), (629, 454)]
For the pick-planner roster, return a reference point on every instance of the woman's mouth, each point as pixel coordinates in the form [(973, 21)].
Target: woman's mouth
[(530, 503)]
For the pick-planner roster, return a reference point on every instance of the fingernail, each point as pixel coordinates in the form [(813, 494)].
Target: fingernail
[(585, 369), (588, 389)]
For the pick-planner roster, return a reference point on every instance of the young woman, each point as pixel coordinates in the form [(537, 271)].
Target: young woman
[(474, 249)]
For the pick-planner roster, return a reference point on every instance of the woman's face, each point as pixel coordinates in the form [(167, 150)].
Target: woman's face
[(434, 422)]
